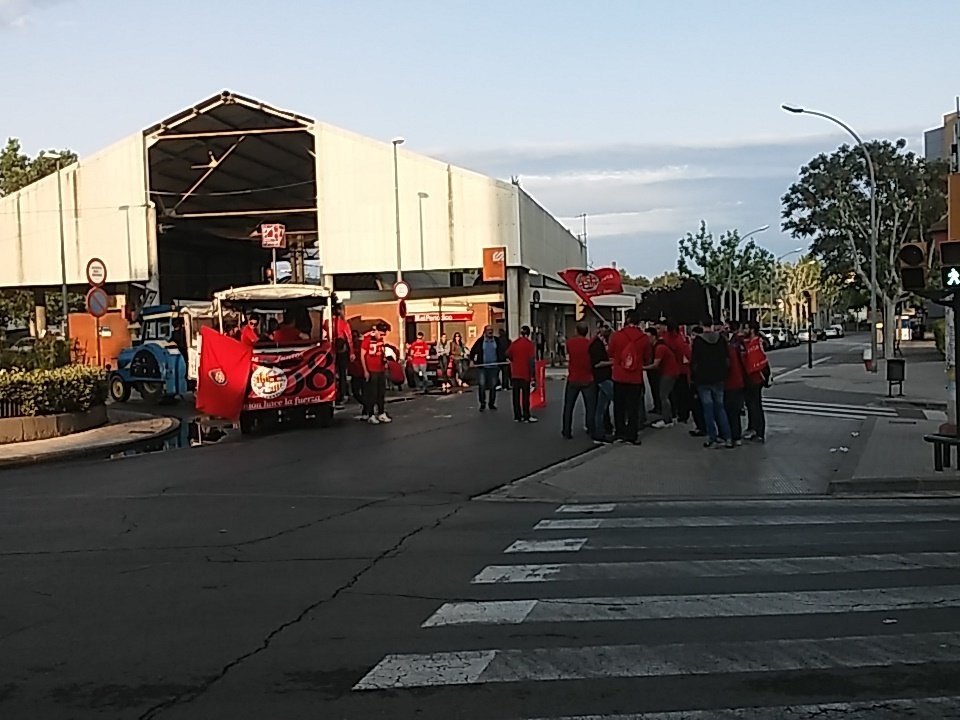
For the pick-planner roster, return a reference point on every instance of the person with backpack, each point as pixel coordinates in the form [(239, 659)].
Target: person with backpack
[(757, 369), (629, 350), (709, 365)]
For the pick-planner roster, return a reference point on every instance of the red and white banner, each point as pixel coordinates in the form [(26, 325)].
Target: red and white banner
[(589, 284), (282, 380), (447, 317), (222, 378)]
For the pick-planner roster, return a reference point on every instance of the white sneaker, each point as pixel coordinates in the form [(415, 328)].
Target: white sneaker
[(384, 418), (660, 425), (373, 420), (532, 420)]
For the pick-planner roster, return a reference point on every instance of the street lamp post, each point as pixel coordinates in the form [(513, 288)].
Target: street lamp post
[(874, 230), (401, 322), (730, 274), (421, 196), (64, 300)]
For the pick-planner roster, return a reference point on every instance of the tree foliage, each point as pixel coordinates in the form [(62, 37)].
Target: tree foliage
[(829, 206), (17, 170)]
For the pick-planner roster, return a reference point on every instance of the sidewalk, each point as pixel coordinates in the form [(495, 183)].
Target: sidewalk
[(124, 429)]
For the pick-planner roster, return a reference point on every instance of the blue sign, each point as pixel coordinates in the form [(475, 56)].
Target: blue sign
[(97, 302)]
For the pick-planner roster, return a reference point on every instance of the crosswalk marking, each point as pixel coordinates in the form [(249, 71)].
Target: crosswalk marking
[(472, 667), (739, 520), (568, 572), (769, 541), (660, 607), (925, 708), (587, 508), (831, 410), (764, 504)]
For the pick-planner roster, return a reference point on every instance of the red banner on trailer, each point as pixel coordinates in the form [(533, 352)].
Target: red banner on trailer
[(283, 380)]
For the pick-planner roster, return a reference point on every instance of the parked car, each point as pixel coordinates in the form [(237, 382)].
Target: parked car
[(804, 335), (834, 331), (778, 337), (23, 345)]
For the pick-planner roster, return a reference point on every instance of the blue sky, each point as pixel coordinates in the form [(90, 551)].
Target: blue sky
[(647, 115)]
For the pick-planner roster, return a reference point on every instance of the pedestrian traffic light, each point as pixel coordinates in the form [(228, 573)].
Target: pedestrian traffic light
[(912, 262), (950, 264)]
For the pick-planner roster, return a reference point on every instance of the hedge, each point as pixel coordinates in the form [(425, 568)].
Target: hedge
[(74, 388), (48, 353)]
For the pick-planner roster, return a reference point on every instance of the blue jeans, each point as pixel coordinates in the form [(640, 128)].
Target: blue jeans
[(487, 380), (714, 413), (420, 375), (571, 392), (604, 398)]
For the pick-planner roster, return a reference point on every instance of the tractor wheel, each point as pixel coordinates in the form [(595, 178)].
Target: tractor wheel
[(323, 415), (151, 391), (248, 423), (119, 390)]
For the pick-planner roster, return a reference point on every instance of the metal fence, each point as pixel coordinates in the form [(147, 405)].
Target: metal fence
[(10, 409)]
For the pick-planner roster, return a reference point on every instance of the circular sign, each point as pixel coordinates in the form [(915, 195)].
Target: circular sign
[(401, 290), (96, 272), (268, 382), (97, 302)]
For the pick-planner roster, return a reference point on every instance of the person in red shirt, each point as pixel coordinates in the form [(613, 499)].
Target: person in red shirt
[(374, 373), (665, 363), (250, 335), (521, 354), (629, 350), (287, 332), (342, 335), (419, 350), (579, 382), (734, 385)]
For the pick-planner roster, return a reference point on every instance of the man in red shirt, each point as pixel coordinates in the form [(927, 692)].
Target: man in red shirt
[(419, 350), (287, 332), (374, 373), (665, 363), (521, 353), (629, 350), (250, 335), (579, 382)]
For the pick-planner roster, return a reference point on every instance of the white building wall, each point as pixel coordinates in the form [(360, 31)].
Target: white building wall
[(463, 213), (93, 189), (546, 245)]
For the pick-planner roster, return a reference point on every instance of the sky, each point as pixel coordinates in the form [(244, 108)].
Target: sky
[(647, 115)]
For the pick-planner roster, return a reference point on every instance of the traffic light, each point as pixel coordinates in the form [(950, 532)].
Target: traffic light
[(912, 261), (950, 264)]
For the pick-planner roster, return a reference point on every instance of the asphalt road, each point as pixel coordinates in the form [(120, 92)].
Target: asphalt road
[(289, 576)]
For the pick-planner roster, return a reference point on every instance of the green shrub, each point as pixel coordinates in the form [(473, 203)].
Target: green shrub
[(939, 336), (74, 388), (48, 353)]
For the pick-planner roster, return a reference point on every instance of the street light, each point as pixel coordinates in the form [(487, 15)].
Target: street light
[(764, 228), (775, 273), (421, 196), (64, 301), (873, 221), (402, 322)]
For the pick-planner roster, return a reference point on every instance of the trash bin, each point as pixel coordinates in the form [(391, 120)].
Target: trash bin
[(896, 370)]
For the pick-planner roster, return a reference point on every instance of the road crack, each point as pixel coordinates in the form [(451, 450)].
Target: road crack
[(194, 693)]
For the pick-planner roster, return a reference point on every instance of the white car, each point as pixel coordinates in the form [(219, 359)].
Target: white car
[(804, 335), (834, 331)]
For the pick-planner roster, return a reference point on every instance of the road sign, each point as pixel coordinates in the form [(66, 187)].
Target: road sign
[(97, 272), (97, 302), (401, 290), (273, 236), (402, 309)]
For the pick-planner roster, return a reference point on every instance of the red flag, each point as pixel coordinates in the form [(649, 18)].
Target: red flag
[(589, 284), (225, 367)]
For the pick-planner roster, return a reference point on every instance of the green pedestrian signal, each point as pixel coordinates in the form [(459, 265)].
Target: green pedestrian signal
[(950, 264)]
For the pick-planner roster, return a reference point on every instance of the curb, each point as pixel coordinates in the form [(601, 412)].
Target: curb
[(895, 485), (171, 428)]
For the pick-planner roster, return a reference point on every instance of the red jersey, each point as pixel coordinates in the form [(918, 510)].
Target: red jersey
[(521, 354), (249, 336), (373, 360), (342, 327), (629, 350), (669, 367), (286, 334), (579, 365), (681, 350), (735, 375), (419, 350)]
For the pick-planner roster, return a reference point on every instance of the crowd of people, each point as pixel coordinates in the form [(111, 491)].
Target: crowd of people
[(711, 376)]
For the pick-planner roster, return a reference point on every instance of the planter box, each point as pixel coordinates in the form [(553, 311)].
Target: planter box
[(44, 427)]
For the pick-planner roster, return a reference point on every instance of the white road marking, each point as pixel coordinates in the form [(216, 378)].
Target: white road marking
[(661, 607), (827, 504), (568, 572), (740, 520), (832, 537), (677, 659), (587, 508), (869, 409), (532, 546), (937, 415), (928, 708), (801, 367)]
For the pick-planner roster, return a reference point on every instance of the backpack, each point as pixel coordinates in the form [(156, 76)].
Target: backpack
[(629, 357)]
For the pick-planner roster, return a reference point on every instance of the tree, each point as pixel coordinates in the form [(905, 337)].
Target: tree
[(668, 280), (629, 279), (829, 205), (721, 262), (17, 170)]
